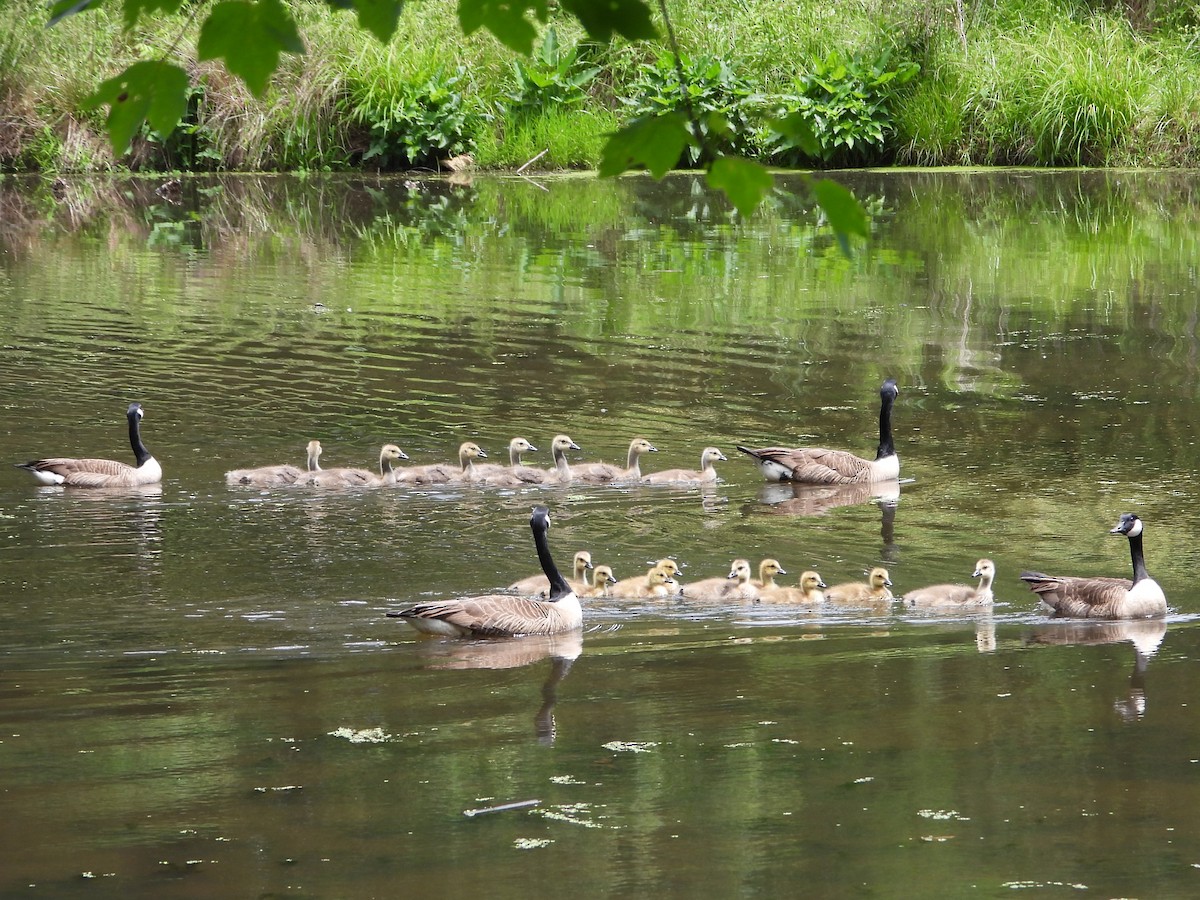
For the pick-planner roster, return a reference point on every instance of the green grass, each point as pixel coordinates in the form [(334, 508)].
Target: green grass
[(1038, 82)]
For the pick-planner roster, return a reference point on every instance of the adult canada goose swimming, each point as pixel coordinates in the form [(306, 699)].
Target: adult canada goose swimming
[(657, 584), (957, 594), (767, 570), (1104, 598), (540, 584), (630, 587), (271, 476), (705, 474), (562, 473), (101, 472), (873, 590), (516, 473), (349, 477), (503, 615), (809, 591), (601, 473), (602, 581), (734, 586), (813, 465)]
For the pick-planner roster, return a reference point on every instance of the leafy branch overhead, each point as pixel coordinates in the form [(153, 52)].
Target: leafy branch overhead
[(251, 36)]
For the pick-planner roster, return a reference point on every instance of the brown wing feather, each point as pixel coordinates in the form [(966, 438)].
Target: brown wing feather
[(491, 615), (816, 465), (66, 467), (1077, 597)]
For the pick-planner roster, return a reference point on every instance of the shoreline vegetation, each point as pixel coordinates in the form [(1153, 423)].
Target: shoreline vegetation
[(880, 82)]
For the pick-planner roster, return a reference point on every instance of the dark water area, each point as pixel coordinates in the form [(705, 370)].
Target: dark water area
[(202, 695)]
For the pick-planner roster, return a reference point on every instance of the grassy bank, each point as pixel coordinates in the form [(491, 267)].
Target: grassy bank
[(1016, 82)]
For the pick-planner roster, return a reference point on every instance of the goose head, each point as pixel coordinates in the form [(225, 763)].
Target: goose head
[(603, 576), (391, 451), (811, 581), (561, 444), (583, 560), (740, 570), (468, 453), (638, 446), (314, 456), (669, 566), (517, 446), (659, 577), (1129, 525), (985, 569), (768, 569), (710, 455), (888, 391), (879, 578)]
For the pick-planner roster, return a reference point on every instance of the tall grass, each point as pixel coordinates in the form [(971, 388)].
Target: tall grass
[(1042, 82)]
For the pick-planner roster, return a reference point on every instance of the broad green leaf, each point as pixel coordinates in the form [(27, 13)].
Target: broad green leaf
[(135, 8), (844, 213), (744, 182), (601, 19), (63, 8), (797, 130), (376, 16), (655, 142), (151, 91), (249, 36), (506, 19)]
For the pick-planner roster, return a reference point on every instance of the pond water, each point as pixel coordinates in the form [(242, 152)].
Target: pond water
[(202, 694)]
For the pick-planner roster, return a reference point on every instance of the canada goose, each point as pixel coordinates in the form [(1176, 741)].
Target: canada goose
[(813, 465), (1104, 598), (600, 473), (657, 584), (516, 473), (629, 587), (602, 581), (957, 594), (767, 570), (734, 586), (101, 472), (349, 477), (503, 615), (562, 472), (540, 584), (270, 476), (809, 591), (873, 590), (705, 474), (440, 473)]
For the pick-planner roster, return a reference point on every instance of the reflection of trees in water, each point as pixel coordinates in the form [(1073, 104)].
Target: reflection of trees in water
[(561, 649), (1146, 635), (792, 499)]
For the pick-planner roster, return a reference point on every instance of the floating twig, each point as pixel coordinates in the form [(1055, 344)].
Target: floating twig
[(503, 807)]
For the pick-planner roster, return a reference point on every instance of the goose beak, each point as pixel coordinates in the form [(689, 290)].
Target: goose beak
[(822, 584), (588, 565), (482, 454), (887, 582), (976, 574), (532, 449), (782, 571), (402, 455), (652, 449), (574, 446)]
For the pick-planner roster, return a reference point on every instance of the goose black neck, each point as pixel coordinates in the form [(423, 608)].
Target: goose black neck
[(140, 453), (558, 585), (1139, 561), (886, 446)]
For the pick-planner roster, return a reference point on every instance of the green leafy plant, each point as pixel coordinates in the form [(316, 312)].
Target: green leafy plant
[(848, 106), (720, 103), (551, 77), (419, 124)]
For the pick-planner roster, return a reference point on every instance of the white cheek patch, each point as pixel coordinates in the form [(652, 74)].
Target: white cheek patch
[(1136, 529)]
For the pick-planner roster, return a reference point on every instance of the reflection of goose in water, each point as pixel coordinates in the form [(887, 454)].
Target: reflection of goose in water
[(561, 649), (503, 615), (815, 465), (1146, 635), (788, 499)]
